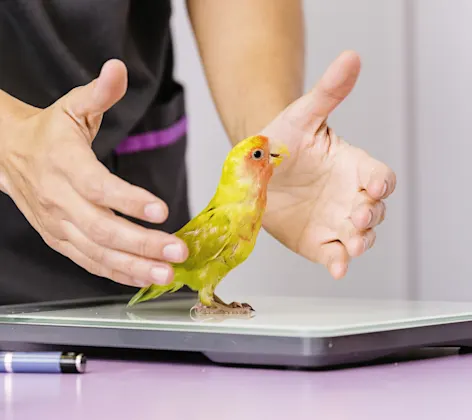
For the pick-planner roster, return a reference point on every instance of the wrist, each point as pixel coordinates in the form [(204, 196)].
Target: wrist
[(12, 114), (13, 111)]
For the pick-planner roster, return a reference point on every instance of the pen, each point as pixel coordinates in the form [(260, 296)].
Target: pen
[(42, 362)]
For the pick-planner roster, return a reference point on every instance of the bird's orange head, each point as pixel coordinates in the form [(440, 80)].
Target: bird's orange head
[(250, 163), (255, 156)]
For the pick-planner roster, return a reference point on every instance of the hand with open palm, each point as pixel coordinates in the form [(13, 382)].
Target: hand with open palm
[(326, 199)]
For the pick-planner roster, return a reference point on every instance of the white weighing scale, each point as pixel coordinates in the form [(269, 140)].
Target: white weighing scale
[(285, 331)]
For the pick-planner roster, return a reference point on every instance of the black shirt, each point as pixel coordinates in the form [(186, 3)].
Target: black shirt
[(48, 47)]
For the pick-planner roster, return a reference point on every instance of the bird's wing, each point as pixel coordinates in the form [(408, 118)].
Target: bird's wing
[(206, 236)]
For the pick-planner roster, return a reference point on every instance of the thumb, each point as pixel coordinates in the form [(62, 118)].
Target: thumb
[(87, 104), (333, 87)]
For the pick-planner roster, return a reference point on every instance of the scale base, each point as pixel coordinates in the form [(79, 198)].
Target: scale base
[(309, 333)]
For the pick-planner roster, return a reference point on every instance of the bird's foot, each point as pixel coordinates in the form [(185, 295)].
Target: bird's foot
[(232, 305), (237, 306), (217, 308)]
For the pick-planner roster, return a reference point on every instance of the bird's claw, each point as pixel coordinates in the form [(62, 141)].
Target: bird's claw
[(234, 308), (241, 305)]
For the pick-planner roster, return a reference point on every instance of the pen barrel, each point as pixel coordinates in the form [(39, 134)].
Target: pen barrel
[(42, 362)]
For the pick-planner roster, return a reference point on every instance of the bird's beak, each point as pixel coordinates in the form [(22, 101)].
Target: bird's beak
[(276, 154)]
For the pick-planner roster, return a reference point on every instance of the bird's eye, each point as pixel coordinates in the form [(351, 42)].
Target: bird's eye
[(257, 154)]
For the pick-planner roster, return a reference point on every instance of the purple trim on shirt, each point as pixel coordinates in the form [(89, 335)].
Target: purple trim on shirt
[(153, 139)]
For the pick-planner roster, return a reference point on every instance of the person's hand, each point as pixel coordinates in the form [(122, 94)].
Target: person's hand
[(48, 168), (325, 200)]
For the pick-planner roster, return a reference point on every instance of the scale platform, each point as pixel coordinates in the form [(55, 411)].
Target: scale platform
[(285, 331)]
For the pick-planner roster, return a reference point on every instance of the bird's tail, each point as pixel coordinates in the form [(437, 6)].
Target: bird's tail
[(153, 292)]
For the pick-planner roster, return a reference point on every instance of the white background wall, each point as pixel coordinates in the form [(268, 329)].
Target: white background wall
[(375, 117), (443, 117)]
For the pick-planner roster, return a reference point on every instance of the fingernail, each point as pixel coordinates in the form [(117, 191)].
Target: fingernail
[(154, 212), (141, 283), (160, 275), (384, 189), (369, 219), (337, 269), (173, 252), (366, 244)]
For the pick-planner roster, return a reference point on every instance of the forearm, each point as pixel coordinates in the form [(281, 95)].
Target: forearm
[(253, 55)]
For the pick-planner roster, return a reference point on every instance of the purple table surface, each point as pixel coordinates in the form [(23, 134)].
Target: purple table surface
[(438, 388)]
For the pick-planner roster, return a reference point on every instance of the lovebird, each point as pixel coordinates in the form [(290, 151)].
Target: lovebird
[(224, 233)]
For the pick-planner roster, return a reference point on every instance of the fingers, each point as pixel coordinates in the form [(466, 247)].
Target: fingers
[(357, 241), (142, 272), (360, 243), (69, 251), (357, 231), (368, 215), (313, 108), (112, 192), (95, 252), (335, 84), (101, 226), (376, 178), (335, 257), (100, 94), (92, 237), (94, 182), (86, 104), (110, 231)]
